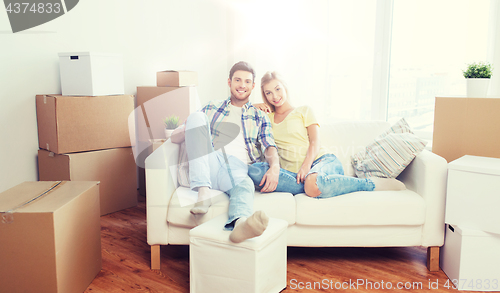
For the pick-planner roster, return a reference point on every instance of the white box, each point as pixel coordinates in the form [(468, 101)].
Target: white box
[(91, 74), (473, 195), (256, 265), (471, 258)]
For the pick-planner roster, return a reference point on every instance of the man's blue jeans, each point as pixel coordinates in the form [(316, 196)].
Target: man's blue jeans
[(331, 180), (216, 170)]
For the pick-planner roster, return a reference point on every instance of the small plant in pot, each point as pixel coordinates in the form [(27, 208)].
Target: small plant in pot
[(171, 123), (478, 78)]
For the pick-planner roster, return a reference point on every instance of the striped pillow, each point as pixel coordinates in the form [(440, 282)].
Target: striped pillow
[(389, 154)]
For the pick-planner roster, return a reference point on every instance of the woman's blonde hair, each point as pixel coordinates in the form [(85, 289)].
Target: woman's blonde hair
[(267, 78)]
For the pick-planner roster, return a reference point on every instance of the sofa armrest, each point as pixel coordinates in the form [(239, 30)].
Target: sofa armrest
[(427, 176), (161, 183)]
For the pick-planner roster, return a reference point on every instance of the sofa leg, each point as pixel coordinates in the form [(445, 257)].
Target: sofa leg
[(433, 258), (155, 257)]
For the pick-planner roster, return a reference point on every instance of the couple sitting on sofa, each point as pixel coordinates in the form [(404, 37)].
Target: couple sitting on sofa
[(227, 141)]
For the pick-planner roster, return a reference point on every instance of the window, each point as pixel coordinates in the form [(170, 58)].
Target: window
[(362, 59), (322, 48), (432, 41)]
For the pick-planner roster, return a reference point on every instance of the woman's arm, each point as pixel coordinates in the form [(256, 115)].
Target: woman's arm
[(312, 152)]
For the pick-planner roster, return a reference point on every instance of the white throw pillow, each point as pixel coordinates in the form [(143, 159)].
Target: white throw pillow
[(389, 154)]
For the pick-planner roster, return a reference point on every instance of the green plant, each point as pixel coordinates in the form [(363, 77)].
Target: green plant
[(171, 122), (478, 70)]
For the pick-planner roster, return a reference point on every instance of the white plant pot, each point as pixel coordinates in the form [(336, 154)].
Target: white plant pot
[(477, 87), (168, 133)]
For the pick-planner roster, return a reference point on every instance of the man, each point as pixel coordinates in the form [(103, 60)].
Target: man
[(221, 140)]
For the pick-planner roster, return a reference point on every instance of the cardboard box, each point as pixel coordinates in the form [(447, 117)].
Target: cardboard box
[(473, 196), (466, 126), (176, 78), (52, 244), (91, 74), (76, 124), (114, 168), (156, 103), (470, 259)]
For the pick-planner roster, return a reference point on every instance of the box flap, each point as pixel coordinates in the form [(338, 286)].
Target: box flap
[(53, 167), (46, 122), (41, 196), (476, 164)]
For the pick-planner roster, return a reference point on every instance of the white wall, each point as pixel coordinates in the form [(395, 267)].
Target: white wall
[(151, 35)]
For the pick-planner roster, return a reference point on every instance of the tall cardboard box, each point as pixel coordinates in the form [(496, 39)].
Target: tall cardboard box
[(91, 74), (52, 244), (153, 105), (466, 126), (75, 124), (156, 103), (176, 78), (114, 168)]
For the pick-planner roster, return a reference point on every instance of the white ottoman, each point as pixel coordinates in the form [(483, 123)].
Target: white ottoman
[(256, 265)]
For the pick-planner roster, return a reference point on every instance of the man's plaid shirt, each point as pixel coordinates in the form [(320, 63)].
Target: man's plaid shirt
[(257, 129)]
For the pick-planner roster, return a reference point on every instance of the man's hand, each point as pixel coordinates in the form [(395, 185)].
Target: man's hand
[(263, 107), (270, 179)]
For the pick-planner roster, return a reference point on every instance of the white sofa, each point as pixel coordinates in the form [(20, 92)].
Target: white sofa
[(412, 217)]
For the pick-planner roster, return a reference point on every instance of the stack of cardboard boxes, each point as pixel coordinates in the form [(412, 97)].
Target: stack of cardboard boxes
[(471, 254), (174, 94), (466, 135), (86, 138)]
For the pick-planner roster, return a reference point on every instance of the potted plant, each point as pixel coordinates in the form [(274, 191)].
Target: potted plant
[(171, 123), (478, 78)]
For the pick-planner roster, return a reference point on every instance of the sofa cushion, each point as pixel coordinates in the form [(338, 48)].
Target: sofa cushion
[(362, 208), (389, 154), (279, 205), (344, 139), (179, 213)]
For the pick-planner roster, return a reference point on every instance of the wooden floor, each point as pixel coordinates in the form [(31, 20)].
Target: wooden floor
[(126, 261)]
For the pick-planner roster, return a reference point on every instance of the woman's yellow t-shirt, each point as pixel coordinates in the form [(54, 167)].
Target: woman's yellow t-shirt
[(292, 139)]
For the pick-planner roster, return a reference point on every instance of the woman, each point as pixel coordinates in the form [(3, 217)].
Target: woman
[(305, 165)]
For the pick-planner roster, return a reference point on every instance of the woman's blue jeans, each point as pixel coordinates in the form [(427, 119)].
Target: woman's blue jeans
[(331, 180)]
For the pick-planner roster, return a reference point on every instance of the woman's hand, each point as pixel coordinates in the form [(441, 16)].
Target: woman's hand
[(270, 179), (301, 175), (263, 107)]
